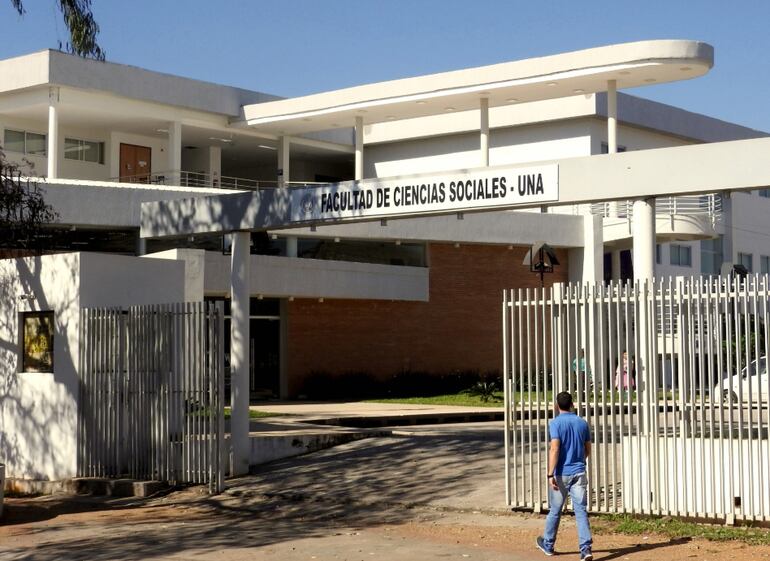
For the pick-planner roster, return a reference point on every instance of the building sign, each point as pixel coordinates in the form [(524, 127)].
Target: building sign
[(472, 190)]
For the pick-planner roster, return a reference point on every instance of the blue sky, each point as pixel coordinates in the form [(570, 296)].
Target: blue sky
[(295, 47)]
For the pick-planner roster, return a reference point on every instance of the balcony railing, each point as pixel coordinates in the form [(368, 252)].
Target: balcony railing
[(709, 205), (194, 179)]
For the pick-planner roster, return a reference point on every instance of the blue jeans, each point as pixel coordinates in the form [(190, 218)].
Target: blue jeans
[(577, 487)]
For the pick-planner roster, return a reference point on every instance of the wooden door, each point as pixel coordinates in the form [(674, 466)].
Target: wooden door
[(135, 163)]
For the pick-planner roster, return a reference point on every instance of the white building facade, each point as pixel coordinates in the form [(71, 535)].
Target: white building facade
[(380, 299)]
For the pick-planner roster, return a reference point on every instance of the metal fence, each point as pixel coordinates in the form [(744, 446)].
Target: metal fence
[(151, 393), (672, 379)]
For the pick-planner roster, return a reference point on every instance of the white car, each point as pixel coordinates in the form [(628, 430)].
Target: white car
[(752, 384)]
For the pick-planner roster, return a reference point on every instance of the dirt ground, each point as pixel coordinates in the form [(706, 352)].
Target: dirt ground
[(189, 525)]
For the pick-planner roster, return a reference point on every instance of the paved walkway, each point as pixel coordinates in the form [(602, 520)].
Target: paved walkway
[(361, 409), (422, 493)]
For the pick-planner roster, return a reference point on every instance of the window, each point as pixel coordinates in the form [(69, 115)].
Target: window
[(657, 253), (764, 264), (711, 256), (84, 150), (24, 142), (764, 193), (747, 260), (37, 341), (681, 255)]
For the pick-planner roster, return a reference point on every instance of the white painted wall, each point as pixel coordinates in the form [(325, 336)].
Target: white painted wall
[(194, 261), (751, 226), (318, 278), (666, 269), (511, 145), (38, 436), (632, 138)]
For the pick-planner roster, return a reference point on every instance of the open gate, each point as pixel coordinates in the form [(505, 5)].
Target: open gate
[(680, 422), (151, 393)]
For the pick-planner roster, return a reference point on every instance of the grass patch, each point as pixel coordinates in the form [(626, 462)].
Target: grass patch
[(459, 399), (675, 528), (256, 414)]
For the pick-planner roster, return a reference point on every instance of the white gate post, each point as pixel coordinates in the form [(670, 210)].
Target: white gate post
[(239, 353)]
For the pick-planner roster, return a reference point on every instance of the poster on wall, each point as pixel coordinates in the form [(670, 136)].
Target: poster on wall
[(38, 341)]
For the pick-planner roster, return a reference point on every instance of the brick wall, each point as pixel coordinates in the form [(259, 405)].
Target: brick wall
[(458, 329)]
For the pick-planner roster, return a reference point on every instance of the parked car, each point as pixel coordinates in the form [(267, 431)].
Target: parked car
[(752, 384)]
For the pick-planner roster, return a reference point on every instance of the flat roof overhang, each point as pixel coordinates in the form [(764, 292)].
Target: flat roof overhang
[(738, 165), (587, 71)]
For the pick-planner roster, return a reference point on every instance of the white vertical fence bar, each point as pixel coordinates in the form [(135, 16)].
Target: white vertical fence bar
[(682, 429), (151, 393)]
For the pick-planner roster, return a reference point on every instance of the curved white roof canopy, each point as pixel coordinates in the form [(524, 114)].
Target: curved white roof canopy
[(630, 64)]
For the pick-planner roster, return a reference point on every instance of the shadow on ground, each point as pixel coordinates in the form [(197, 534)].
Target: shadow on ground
[(358, 485)]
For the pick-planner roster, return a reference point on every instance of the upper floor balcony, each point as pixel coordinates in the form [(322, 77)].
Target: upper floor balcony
[(690, 217), (202, 180)]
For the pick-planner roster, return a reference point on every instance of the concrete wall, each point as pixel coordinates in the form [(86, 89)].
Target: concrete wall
[(38, 435), (194, 261), (117, 280), (317, 278), (511, 145), (110, 204), (751, 227), (500, 227)]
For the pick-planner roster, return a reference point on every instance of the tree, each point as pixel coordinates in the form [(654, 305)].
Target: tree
[(81, 24), (23, 211)]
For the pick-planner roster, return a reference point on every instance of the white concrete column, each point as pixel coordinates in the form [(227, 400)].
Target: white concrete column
[(284, 161), (52, 148), (359, 172), (484, 131), (728, 256), (593, 248), (643, 232), (174, 158), (612, 132), (239, 352), (615, 255), (215, 165), (291, 246), (284, 177), (612, 116)]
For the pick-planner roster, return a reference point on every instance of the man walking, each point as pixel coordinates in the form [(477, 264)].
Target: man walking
[(570, 448)]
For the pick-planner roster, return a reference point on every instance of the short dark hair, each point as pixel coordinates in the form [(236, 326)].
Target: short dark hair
[(564, 400)]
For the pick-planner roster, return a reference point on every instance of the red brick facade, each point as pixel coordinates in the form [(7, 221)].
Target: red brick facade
[(459, 329)]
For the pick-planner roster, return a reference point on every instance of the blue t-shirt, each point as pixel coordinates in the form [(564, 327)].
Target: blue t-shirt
[(572, 433)]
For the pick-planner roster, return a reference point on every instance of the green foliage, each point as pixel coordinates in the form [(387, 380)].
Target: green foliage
[(677, 528), (255, 414), (460, 399), (752, 336), (485, 390), (23, 210), (81, 24)]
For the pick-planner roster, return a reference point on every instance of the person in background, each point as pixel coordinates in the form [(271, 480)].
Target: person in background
[(624, 375)]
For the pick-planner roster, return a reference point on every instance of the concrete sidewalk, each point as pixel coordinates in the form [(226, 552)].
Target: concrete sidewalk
[(303, 427)]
